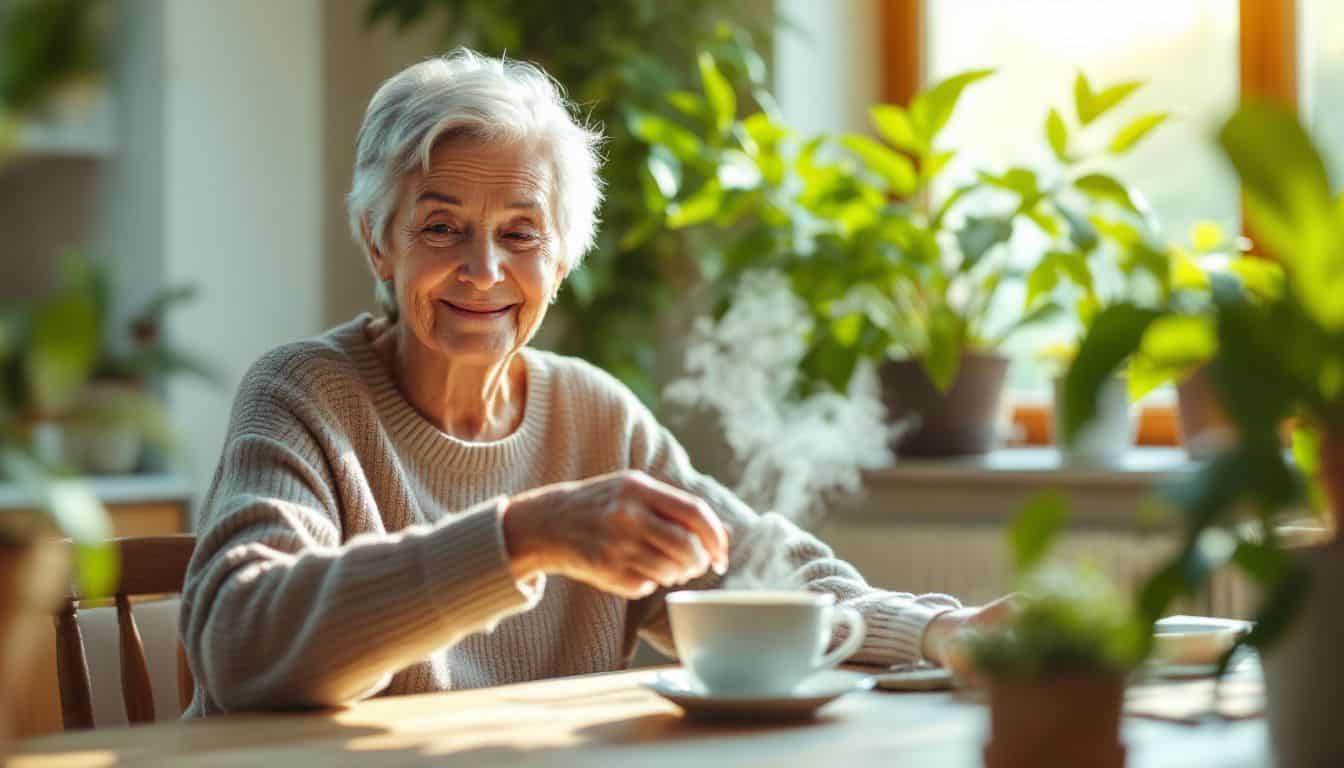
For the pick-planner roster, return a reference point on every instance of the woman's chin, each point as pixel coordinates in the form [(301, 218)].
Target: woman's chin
[(482, 348)]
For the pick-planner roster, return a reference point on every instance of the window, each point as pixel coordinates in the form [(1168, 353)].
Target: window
[(1322, 72), (1186, 51)]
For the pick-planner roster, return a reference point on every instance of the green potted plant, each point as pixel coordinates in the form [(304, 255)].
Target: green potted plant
[(1055, 673), (847, 220), (1273, 357), (1098, 231), (86, 397)]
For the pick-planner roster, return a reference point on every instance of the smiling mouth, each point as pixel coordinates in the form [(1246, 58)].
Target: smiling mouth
[(484, 311)]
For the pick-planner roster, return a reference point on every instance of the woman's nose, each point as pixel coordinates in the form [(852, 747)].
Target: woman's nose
[(482, 267)]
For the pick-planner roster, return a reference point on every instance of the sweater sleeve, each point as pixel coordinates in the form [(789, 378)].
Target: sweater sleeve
[(771, 552), (279, 610)]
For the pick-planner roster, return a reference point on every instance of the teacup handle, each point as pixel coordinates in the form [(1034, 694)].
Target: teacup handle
[(853, 620)]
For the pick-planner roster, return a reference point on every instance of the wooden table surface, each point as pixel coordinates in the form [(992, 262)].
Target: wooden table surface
[(603, 720)]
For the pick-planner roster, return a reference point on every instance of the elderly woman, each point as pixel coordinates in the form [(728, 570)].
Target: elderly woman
[(422, 502)]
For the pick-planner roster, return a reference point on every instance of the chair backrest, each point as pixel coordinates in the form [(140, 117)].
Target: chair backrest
[(152, 565)]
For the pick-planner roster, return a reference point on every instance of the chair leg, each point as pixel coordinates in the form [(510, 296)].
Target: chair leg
[(72, 670), (136, 690)]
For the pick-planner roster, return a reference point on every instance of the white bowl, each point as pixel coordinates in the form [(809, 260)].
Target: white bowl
[(1194, 640)]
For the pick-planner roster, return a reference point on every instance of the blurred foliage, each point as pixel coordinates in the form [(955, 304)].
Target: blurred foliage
[(1277, 353), (46, 47), (885, 269), (617, 59), (1072, 618), (57, 355)]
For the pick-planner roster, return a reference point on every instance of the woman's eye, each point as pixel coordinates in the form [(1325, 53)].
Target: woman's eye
[(525, 237), (439, 229)]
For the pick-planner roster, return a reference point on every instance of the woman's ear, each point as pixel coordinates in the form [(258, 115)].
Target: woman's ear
[(381, 267)]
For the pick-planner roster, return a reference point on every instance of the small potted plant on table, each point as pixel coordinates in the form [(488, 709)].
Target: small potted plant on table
[(1055, 674)]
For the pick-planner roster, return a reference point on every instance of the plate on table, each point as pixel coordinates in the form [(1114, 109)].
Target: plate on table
[(802, 702), (1190, 646)]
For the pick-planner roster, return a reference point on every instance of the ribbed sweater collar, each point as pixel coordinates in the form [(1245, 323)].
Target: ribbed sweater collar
[(425, 442)]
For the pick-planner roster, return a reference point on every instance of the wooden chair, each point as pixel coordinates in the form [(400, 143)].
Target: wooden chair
[(152, 565)]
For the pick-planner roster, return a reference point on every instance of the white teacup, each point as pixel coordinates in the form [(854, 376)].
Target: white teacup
[(749, 643)]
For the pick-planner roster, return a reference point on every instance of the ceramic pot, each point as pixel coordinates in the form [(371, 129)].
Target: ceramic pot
[(1108, 436), (962, 421), (1056, 721)]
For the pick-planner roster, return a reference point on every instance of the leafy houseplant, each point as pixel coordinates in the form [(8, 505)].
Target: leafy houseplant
[(1056, 672), (1272, 357), (615, 58), (85, 401)]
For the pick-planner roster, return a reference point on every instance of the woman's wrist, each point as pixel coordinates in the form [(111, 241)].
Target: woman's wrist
[(525, 560)]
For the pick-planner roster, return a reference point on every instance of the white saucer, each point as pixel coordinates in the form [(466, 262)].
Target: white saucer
[(812, 694)]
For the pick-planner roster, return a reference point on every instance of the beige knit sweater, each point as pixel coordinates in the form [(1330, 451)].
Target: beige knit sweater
[(350, 549)]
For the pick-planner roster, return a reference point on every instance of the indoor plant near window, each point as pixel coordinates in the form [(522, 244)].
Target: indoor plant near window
[(1100, 239), (1055, 673), (881, 271), (1272, 358)]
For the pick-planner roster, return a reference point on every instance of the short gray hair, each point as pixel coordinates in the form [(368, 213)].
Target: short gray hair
[(466, 95)]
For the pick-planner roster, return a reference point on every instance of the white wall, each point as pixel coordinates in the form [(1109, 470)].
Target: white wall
[(242, 193), (827, 63)]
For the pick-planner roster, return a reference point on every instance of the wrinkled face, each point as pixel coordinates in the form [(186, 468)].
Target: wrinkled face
[(473, 250)]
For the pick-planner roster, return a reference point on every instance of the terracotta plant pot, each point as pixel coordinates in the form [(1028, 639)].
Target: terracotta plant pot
[(1061, 721), (1304, 671), (959, 422), (1205, 428), (33, 577), (1108, 437)]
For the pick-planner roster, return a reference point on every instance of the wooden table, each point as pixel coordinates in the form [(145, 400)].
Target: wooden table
[(603, 720)]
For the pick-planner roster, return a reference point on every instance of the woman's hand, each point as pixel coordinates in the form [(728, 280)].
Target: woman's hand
[(623, 533)]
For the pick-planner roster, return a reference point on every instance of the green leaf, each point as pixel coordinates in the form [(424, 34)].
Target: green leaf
[(980, 234), (1022, 181), (1092, 105), (936, 163), (1289, 204), (1115, 334), (62, 351), (665, 171), (1134, 132), (689, 104), (718, 93), (1036, 528), (1171, 347), (659, 131), (1058, 136), (1104, 188), (931, 109), (1083, 99), (942, 359), (1043, 278), (894, 126), (1081, 232), (765, 132), (894, 168), (699, 207)]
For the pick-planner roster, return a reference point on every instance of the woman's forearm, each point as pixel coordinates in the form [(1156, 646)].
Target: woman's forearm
[(270, 621)]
